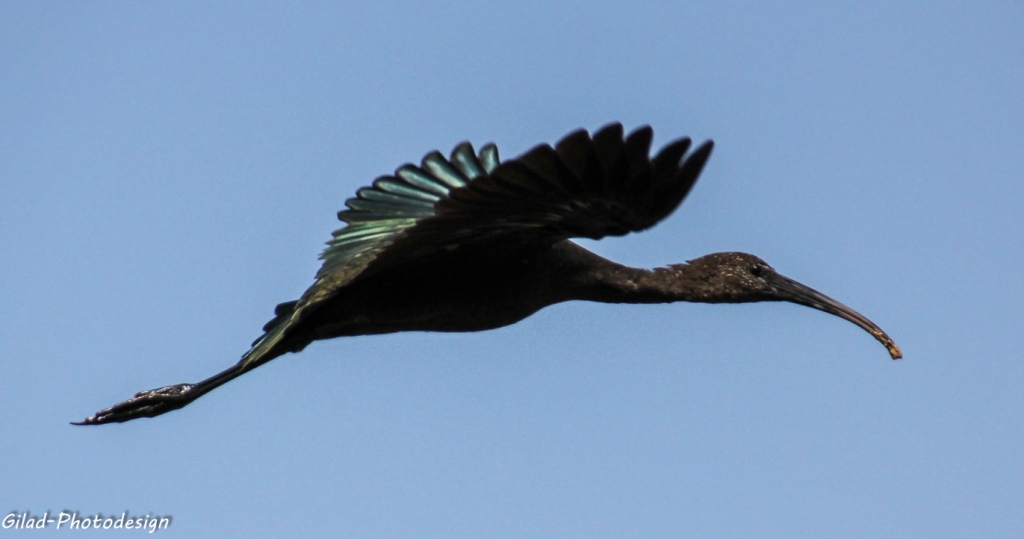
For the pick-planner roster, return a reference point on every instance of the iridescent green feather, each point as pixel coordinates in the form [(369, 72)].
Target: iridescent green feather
[(375, 218)]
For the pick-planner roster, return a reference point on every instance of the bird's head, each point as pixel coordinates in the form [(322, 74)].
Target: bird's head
[(742, 278)]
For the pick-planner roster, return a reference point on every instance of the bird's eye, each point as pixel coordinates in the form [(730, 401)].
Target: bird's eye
[(756, 269)]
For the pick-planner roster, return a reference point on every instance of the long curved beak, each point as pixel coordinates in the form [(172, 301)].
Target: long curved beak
[(789, 290)]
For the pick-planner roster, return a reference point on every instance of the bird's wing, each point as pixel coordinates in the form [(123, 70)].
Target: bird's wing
[(590, 187)]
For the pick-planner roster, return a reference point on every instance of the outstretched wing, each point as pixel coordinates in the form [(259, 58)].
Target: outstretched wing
[(591, 187)]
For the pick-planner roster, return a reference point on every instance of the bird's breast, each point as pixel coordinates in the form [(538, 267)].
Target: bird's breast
[(472, 295)]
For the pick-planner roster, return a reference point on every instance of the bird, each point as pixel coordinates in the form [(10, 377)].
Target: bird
[(471, 243)]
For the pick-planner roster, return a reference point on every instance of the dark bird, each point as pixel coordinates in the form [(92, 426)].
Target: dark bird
[(470, 244)]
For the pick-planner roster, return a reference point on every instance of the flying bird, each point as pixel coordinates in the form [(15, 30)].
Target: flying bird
[(471, 243)]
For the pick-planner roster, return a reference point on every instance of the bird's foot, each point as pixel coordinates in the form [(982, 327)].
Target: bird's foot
[(144, 404)]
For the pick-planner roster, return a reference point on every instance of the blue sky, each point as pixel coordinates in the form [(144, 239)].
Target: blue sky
[(169, 171)]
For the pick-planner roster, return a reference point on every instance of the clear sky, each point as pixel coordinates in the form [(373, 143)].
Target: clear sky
[(169, 171)]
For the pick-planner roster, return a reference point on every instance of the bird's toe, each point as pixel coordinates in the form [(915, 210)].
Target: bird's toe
[(149, 403)]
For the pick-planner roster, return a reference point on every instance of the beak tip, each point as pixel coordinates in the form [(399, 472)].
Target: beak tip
[(894, 351)]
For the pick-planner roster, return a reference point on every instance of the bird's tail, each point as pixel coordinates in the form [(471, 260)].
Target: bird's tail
[(273, 333)]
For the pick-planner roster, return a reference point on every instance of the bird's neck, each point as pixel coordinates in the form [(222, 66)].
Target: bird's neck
[(622, 284), (587, 276)]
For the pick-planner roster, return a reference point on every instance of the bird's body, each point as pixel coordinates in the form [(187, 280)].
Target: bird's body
[(471, 244), (451, 292)]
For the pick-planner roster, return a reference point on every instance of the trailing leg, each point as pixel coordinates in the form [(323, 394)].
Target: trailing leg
[(160, 401)]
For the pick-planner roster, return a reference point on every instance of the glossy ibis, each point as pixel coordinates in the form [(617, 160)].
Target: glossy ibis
[(470, 243)]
